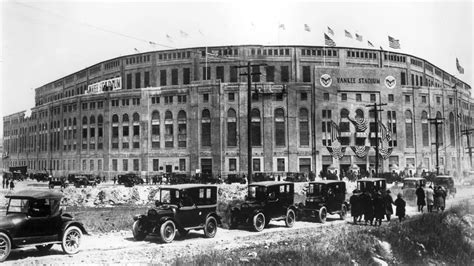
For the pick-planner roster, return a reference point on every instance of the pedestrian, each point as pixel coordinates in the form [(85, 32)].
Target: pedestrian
[(12, 185), (379, 208), (429, 193), (115, 179), (368, 207), (439, 198), (420, 198), (3, 182), (400, 207), (103, 179), (355, 201), (388, 201)]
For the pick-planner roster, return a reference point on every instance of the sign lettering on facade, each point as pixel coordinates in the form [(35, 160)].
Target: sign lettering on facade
[(105, 85)]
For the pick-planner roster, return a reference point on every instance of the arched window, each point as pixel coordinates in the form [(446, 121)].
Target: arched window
[(279, 127), (125, 128), (136, 127), (344, 124), (206, 128), (125, 118), (100, 120), (452, 137), (69, 122), (155, 129), (84, 120), (92, 120), (409, 129), (84, 130), (425, 129), (231, 128), (182, 129), (304, 127), (359, 113), (169, 130), (136, 117), (92, 132), (256, 128), (115, 119)]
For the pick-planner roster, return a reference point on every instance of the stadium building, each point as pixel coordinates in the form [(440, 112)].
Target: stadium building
[(185, 111)]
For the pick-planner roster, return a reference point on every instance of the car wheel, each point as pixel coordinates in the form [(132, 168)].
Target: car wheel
[(5, 246), (322, 214), (44, 248), (290, 218), (343, 212), (210, 227), (72, 240), (258, 222), (138, 233), (167, 231)]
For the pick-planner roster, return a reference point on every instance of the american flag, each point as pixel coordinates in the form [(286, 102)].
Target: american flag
[(370, 44), (393, 43), (459, 67), (307, 28), (183, 34), (348, 34), (328, 41), (330, 31), (359, 37)]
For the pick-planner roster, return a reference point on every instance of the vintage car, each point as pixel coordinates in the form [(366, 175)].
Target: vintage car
[(183, 208), (34, 218), (58, 181), (323, 197), (447, 182), (371, 185), (129, 180), (410, 184), (266, 201)]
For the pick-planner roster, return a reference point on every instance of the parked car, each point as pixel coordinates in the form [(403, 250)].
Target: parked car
[(129, 180), (410, 184), (34, 218), (266, 201), (447, 182), (371, 185), (58, 181), (323, 197), (180, 207)]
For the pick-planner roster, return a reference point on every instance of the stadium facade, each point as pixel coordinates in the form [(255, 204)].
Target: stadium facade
[(185, 110)]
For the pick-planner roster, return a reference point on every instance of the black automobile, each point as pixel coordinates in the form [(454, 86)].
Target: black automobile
[(34, 218), (447, 182), (129, 180), (58, 181), (266, 201), (180, 208), (372, 185), (410, 184), (323, 197)]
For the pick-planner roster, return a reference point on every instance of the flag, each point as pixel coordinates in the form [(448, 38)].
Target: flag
[(281, 26), (459, 67), (381, 48), (370, 44), (307, 28), (169, 38), (348, 34), (136, 50), (152, 43), (183, 34), (359, 37), (328, 41), (393, 43), (330, 31)]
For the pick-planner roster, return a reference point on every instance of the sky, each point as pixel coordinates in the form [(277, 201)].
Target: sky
[(42, 41)]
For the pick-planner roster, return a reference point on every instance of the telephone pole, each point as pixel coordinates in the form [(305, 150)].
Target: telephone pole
[(249, 75), (436, 121), (376, 111), (468, 133)]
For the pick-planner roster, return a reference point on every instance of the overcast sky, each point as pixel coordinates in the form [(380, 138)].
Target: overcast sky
[(44, 40)]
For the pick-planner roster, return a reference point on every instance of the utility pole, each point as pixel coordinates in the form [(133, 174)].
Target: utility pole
[(468, 133), (376, 111), (249, 75), (436, 122)]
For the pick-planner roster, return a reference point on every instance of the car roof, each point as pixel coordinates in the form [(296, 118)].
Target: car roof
[(186, 186), (443, 176), (35, 194), (414, 178), (326, 182), (269, 183), (371, 179)]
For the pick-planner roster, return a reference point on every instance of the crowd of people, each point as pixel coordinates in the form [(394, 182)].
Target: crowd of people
[(374, 207), (434, 199), (8, 183)]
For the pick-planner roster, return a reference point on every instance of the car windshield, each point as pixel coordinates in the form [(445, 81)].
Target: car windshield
[(257, 193), (169, 196), (18, 205), (410, 183), (316, 189), (442, 181)]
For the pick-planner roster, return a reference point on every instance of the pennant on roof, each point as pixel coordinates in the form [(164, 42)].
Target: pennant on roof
[(328, 41), (370, 44), (307, 28), (348, 34), (459, 67), (393, 43), (358, 37), (330, 31)]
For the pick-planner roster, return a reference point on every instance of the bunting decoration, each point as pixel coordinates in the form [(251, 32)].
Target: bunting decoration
[(360, 151), (385, 151), (360, 124), (336, 150), (386, 135)]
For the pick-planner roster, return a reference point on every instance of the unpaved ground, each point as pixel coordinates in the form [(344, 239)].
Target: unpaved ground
[(120, 247)]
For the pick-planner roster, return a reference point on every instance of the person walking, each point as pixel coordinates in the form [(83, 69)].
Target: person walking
[(379, 208), (12, 185), (367, 207), (400, 207), (420, 198), (115, 179), (3, 182), (356, 209), (388, 201), (429, 193)]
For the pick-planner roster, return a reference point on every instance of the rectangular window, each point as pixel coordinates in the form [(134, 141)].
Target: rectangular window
[(270, 71), (231, 96), (255, 70), (403, 78), (285, 75), (186, 76), (438, 100), (305, 165), (129, 81), (182, 165), (136, 165), (304, 96), (423, 99), (306, 74), (256, 164), (280, 165), (232, 164), (326, 96), (205, 97), (358, 97), (125, 131), (163, 77), (343, 97), (138, 80), (147, 79), (372, 97), (407, 98), (156, 165), (390, 98), (220, 73), (174, 76), (206, 73), (125, 165), (114, 165), (233, 74)]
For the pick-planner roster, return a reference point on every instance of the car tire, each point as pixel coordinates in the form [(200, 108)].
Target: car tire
[(343, 212), (138, 233), (290, 218), (322, 214), (44, 248), (167, 231), (210, 227), (71, 241), (5, 247), (258, 222)]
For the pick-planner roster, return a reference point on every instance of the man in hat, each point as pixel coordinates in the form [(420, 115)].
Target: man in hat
[(388, 201)]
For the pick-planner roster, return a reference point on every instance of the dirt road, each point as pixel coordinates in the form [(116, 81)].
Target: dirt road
[(120, 247)]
